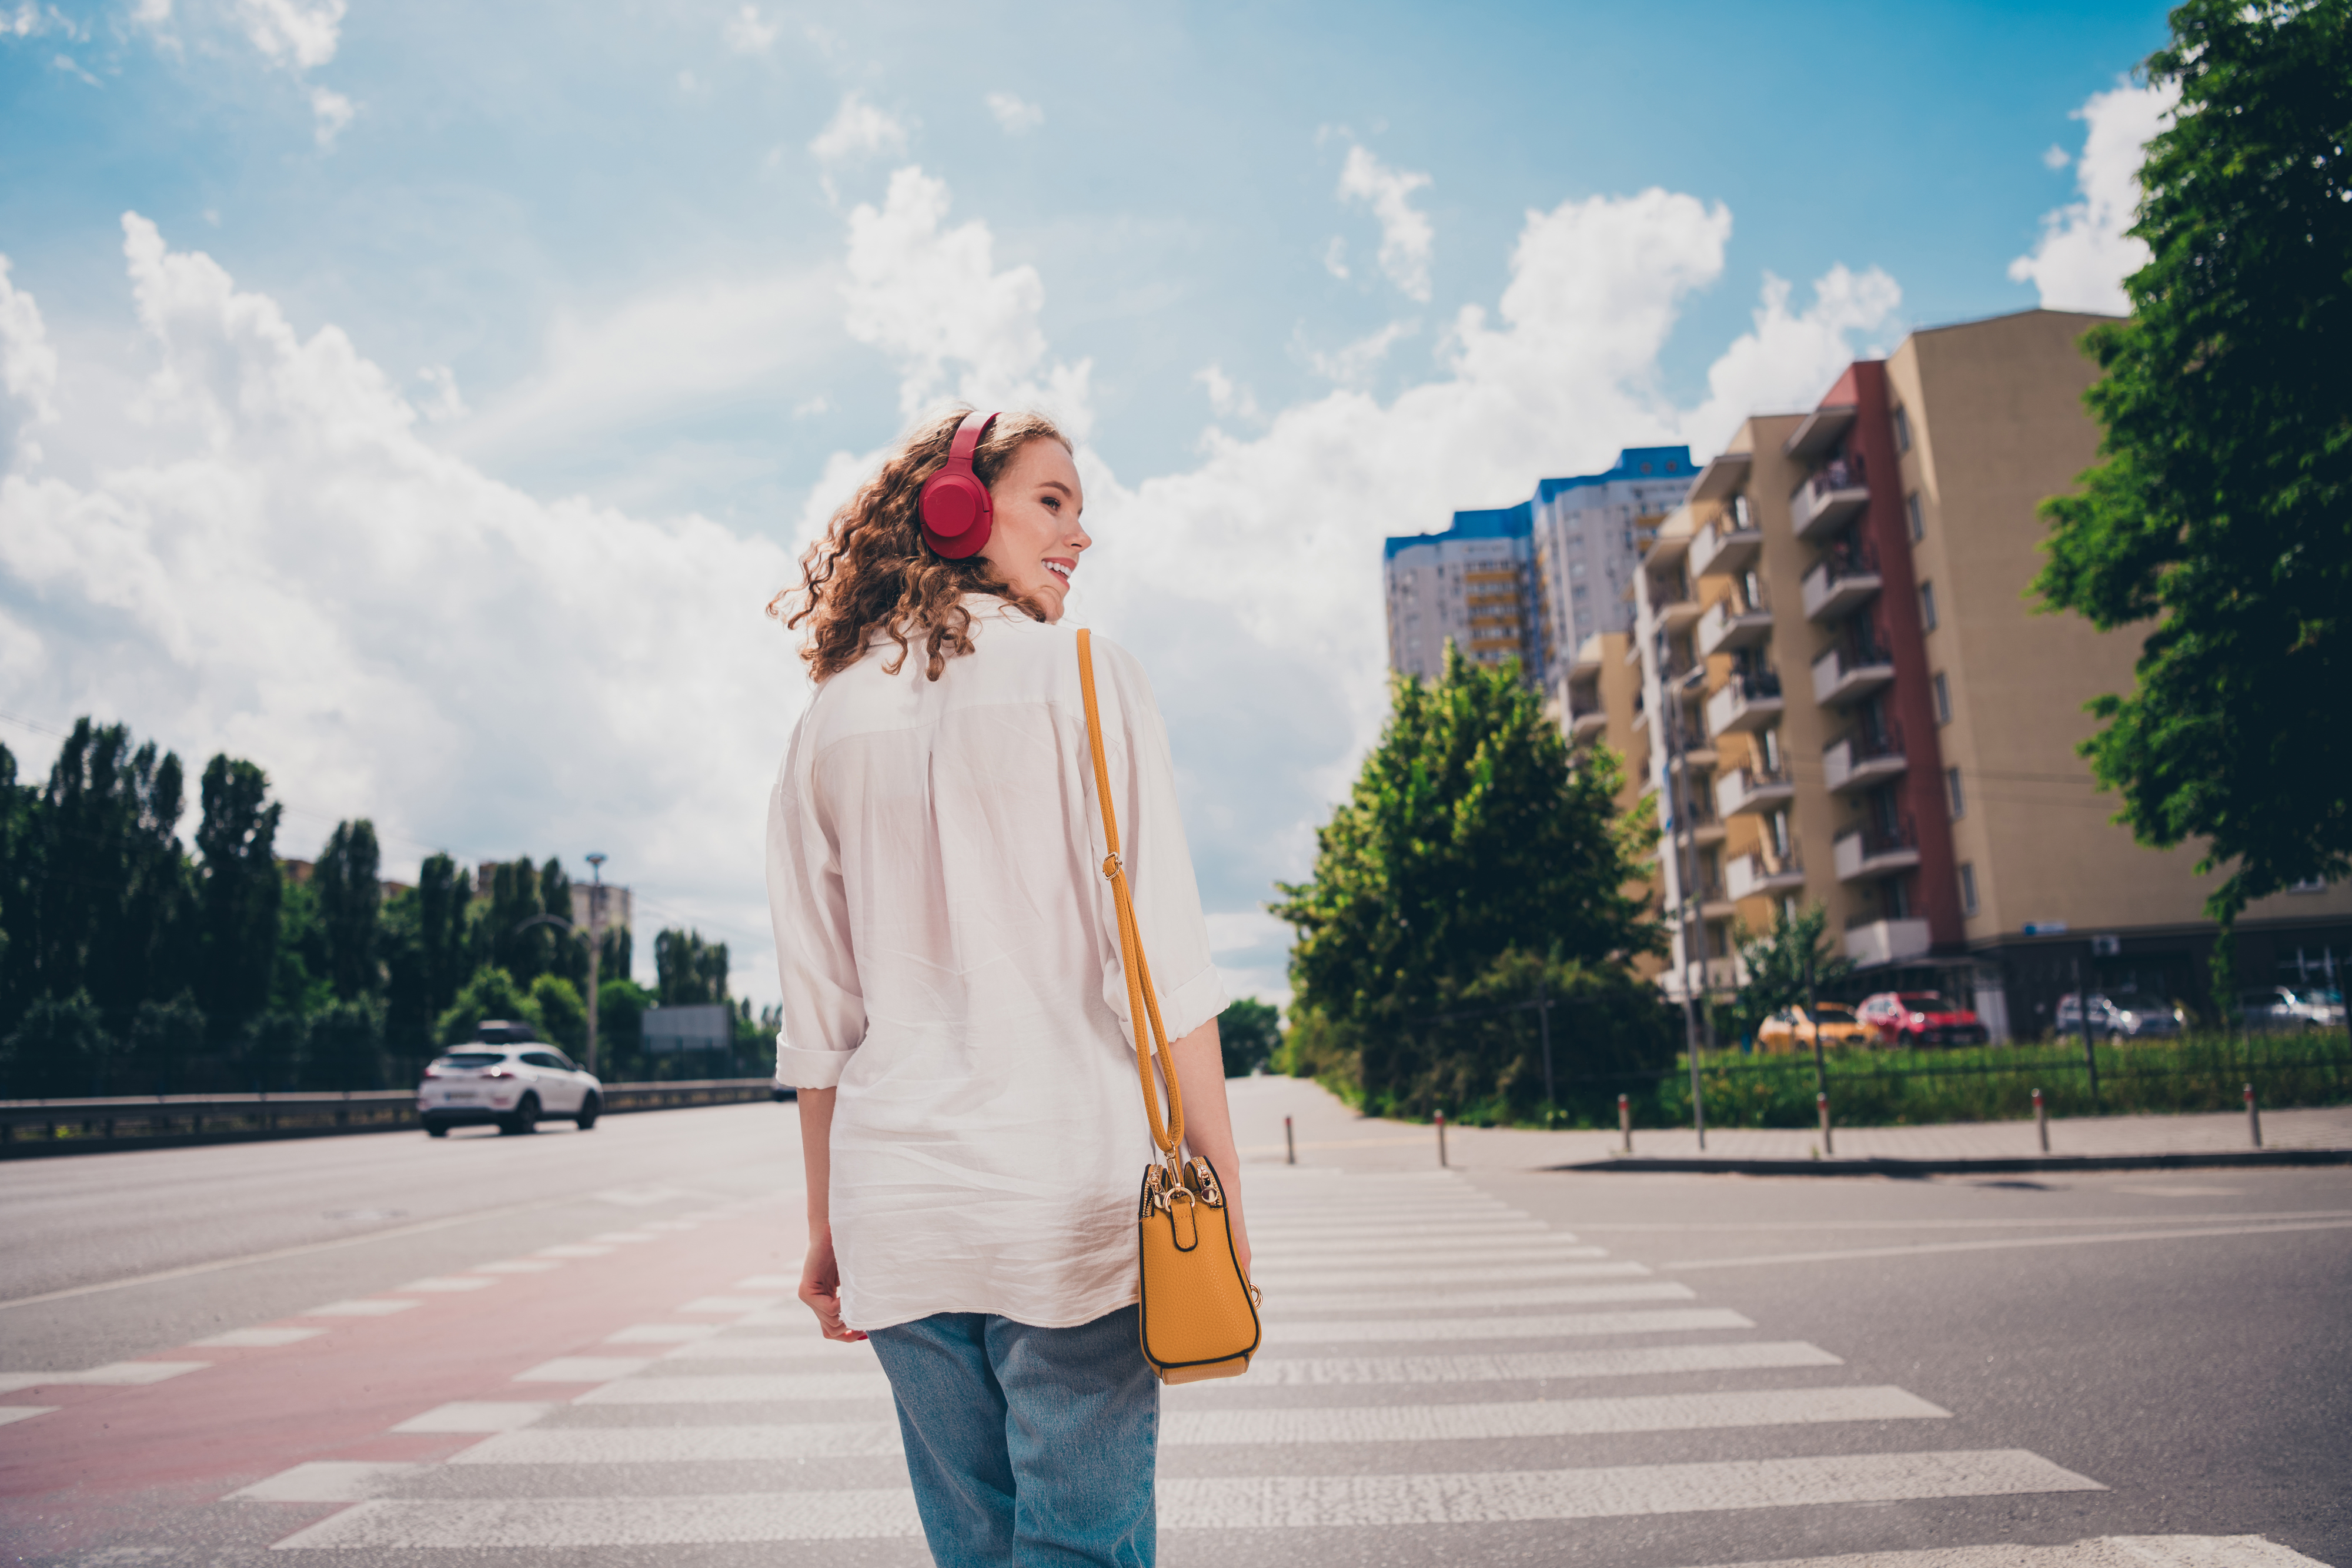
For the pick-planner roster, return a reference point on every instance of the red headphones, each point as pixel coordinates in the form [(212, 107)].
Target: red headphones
[(957, 510)]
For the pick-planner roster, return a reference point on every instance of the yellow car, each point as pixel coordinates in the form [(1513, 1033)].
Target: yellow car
[(1791, 1029)]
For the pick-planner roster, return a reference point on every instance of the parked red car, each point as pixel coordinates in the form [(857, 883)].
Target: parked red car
[(1921, 1018)]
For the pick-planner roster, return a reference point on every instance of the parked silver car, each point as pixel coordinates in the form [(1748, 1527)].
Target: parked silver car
[(2130, 1017), (2277, 1007), (511, 1083)]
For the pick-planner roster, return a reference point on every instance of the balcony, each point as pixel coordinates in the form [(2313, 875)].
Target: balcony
[(1751, 791), (1845, 675), (1844, 583), (1859, 760), (1672, 607), (1886, 942), (1712, 904), (1730, 625), (1746, 702), (1758, 876), (1587, 661), (1728, 544), (1874, 850), (1699, 752), (1828, 501), (1721, 978), (1586, 717), (1821, 432)]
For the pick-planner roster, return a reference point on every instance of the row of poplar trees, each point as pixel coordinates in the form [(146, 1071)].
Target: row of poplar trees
[(133, 964)]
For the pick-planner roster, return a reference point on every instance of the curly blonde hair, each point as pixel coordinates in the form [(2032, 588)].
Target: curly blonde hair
[(874, 570)]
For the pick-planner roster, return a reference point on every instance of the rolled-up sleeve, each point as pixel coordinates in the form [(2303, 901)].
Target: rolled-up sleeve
[(1158, 861), (823, 1007)]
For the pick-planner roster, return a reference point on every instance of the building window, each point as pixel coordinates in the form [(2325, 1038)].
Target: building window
[(1902, 429), (1928, 606), (1968, 889), (1943, 698), (1953, 796), (1918, 520)]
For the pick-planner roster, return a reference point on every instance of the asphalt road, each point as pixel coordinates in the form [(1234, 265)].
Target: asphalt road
[(580, 1349)]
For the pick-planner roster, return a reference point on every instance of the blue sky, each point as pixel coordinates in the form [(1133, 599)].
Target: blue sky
[(607, 302)]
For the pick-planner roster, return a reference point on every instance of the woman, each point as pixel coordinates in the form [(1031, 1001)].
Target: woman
[(955, 1013)]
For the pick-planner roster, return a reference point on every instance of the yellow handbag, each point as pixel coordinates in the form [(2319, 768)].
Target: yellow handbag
[(1199, 1316)]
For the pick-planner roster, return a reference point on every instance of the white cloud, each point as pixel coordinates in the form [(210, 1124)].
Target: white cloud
[(746, 34), (265, 557), (2084, 254), (1013, 116), (1225, 396), (1353, 365), (1334, 257), (1789, 359), (72, 67), (447, 402), (291, 32), (332, 111), (2055, 157), (858, 129), (820, 403), (28, 372), (32, 21), (932, 298), (1407, 237)]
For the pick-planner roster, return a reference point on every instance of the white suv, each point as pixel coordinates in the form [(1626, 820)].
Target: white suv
[(513, 1083)]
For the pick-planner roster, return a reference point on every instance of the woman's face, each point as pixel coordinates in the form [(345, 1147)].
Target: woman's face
[(1037, 540)]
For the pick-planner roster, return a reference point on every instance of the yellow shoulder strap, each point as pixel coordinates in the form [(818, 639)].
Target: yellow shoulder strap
[(1141, 1003)]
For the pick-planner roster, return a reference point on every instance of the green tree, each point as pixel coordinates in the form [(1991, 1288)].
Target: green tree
[(344, 1047), (491, 993), (349, 883), (1775, 966), (1471, 832), (620, 1029), (689, 971), (424, 954), (298, 982), (2222, 511), (238, 888), (271, 1049), (1248, 1032), (18, 877), (163, 1038), (563, 1017), (60, 1050), (110, 911)]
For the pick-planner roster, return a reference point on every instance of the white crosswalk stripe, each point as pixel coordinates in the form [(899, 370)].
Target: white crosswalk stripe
[(1470, 1316)]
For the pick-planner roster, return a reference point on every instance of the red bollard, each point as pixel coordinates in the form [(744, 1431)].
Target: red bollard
[(1625, 1121), (1821, 1104), (1289, 1146), (2041, 1120)]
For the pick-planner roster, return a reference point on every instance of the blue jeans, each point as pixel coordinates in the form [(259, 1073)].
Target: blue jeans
[(1027, 1445)]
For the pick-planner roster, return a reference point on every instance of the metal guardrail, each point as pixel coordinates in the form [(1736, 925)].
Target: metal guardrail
[(36, 1127)]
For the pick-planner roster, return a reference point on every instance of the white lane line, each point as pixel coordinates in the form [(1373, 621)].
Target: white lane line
[(255, 1339), (1438, 1299), (730, 1304), (685, 1445), (1513, 1366), (2102, 1552), (584, 1369), (478, 1416), (114, 1374), (1547, 1417), (1365, 1253), (1768, 1227), (575, 1250), (451, 1284), (1219, 1503), (1551, 1326), (367, 1307), (1924, 1249), (845, 1515), (662, 1334), (770, 1282), (775, 1347), (1243, 1502), (625, 1236), (13, 1413), (1317, 1230), (518, 1266), (749, 1388), (327, 1480), (1317, 1277)]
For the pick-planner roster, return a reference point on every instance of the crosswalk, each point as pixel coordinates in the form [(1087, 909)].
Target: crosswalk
[(1430, 1362)]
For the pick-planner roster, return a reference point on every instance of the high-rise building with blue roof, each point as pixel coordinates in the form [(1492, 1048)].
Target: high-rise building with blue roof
[(1530, 582)]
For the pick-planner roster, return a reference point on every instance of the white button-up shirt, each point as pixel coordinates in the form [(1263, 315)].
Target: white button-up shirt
[(950, 956)]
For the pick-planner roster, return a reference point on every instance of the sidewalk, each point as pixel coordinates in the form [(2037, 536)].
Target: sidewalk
[(1330, 1135)]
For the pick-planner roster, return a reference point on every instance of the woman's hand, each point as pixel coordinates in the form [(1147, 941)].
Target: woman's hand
[(821, 1287)]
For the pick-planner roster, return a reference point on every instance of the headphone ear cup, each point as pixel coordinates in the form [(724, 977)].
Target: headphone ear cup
[(959, 515)]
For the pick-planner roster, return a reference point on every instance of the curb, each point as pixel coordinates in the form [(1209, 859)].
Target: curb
[(1883, 1167)]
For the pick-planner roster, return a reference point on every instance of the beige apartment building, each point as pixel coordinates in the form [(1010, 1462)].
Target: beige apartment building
[(1839, 691)]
